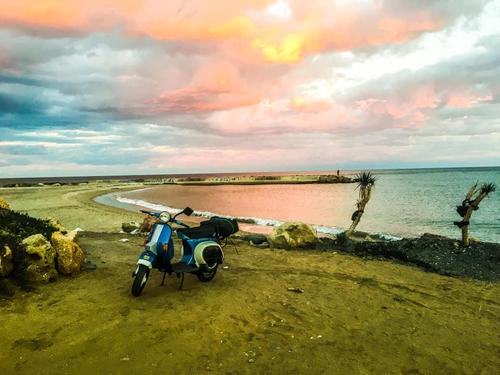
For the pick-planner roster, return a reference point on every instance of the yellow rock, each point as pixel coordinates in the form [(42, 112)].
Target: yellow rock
[(293, 235), (4, 204), (41, 255), (69, 256)]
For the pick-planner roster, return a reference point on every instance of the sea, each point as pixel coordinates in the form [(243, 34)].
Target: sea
[(404, 203)]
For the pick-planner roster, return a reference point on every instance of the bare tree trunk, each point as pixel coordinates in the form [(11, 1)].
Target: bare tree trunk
[(465, 235), (364, 197), (468, 214), (354, 224)]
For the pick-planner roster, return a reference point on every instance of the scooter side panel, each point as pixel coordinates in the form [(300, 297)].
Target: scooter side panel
[(153, 251), (188, 257)]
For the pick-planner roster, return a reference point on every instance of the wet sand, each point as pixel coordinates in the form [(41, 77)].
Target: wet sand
[(355, 315)]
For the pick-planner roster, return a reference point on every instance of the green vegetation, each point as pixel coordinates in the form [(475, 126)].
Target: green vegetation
[(21, 225)]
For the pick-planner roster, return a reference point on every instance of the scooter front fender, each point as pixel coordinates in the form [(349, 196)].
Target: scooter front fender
[(147, 258)]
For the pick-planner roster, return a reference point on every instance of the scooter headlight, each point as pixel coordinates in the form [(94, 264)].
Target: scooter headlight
[(165, 217)]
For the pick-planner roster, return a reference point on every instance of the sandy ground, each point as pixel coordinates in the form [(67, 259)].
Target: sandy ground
[(355, 315)]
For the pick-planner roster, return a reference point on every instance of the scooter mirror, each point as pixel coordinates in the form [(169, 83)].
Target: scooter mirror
[(187, 211)]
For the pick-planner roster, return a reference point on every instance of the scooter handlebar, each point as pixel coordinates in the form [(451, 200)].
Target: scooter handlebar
[(178, 222), (173, 219), (154, 214)]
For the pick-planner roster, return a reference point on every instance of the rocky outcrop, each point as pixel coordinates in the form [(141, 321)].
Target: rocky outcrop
[(4, 204), (446, 256), (69, 256), (40, 259), (6, 263), (293, 235), (148, 223), (130, 227)]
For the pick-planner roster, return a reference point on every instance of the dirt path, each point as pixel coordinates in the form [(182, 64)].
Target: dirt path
[(355, 316)]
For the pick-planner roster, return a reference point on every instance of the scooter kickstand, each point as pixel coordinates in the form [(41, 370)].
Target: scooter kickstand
[(181, 276), (163, 280)]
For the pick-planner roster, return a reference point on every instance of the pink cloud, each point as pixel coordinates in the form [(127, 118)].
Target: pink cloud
[(314, 26), (466, 100), (215, 86)]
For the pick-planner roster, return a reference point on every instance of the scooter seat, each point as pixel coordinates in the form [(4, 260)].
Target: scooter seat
[(205, 231)]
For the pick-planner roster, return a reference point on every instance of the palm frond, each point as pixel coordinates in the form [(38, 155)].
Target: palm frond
[(365, 179), (472, 191), (488, 188)]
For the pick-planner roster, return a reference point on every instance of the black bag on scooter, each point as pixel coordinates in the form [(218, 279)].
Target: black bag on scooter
[(224, 227)]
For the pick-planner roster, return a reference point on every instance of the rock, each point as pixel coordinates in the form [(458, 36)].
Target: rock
[(69, 256), (325, 244), (263, 245), (293, 235), (4, 204), (6, 263), (147, 224), (255, 238), (40, 259), (54, 221), (130, 226), (438, 254)]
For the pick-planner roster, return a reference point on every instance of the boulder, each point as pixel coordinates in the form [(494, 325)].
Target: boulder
[(54, 221), (4, 204), (293, 235), (40, 259), (147, 224), (6, 263), (69, 256), (130, 226)]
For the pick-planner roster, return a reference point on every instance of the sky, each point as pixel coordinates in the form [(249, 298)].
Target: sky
[(115, 87)]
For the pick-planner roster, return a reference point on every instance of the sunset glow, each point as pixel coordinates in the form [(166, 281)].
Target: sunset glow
[(143, 86)]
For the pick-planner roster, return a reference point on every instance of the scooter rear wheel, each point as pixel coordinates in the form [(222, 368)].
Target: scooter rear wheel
[(140, 280), (206, 274)]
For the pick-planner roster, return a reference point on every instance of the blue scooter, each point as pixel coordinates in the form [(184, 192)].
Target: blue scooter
[(200, 254)]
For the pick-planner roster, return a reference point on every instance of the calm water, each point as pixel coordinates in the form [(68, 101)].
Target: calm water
[(404, 202)]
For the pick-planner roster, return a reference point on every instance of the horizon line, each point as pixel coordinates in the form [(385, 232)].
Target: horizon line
[(241, 172)]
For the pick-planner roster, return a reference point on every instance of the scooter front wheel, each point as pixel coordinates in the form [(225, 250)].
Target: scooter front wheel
[(140, 280), (206, 274)]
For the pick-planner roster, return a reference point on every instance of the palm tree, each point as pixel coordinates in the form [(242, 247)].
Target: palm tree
[(470, 204), (366, 181)]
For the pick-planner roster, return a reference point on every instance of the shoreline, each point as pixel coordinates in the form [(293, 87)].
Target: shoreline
[(256, 225)]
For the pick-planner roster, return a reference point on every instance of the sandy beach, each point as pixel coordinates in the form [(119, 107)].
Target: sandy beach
[(355, 315)]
